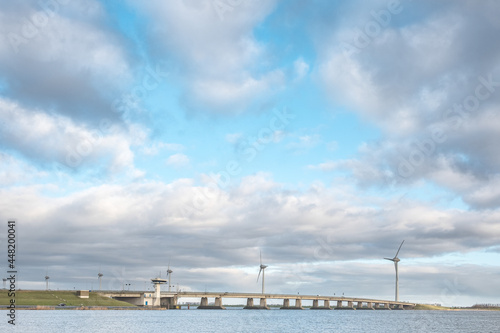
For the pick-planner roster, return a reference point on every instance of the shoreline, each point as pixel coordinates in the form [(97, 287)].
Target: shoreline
[(136, 308), (82, 308)]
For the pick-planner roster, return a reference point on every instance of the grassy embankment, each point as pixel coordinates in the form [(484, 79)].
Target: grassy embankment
[(53, 298), (444, 308), (430, 307)]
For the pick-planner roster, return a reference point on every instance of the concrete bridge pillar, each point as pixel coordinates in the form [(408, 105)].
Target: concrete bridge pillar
[(326, 305), (217, 304), (348, 307), (170, 302), (384, 306), (298, 303), (286, 304), (360, 305), (263, 303), (369, 305), (261, 306)]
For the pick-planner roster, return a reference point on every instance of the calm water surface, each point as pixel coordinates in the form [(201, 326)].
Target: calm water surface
[(235, 320)]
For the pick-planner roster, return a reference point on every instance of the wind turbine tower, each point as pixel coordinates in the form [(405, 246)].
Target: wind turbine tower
[(262, 269), (47, 282), (99, 276), (396, 260), (169, 276)]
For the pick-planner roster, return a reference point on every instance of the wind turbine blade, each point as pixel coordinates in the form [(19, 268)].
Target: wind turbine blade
[(399, 249), (391, 259), (259, 275)]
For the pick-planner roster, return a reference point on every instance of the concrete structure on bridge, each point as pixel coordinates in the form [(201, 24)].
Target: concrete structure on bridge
[(157, 283), (168, 300), (146, 299)]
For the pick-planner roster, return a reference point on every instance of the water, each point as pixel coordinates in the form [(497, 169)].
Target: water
[(234, 320)]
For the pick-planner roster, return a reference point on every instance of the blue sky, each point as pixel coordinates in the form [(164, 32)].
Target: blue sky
[(321, 133)]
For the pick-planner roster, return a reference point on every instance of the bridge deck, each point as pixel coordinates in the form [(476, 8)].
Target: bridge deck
[(198, 294)]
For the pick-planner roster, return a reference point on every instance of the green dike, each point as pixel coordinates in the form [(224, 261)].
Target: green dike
[(430, 307), (435, 307), (53, 298)]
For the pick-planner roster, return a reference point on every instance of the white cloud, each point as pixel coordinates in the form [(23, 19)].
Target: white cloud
[(77, 42), (216, 56), (155, 147), (301, 69), (234, 137), (71, 63), (16, 172), (178, 160), (46, 139), (304, 142), (218, 230), (234, 95), (326, 166), (408, 81), (332, 145)]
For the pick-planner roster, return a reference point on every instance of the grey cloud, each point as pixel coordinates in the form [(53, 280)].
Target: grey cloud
[(409, 80), (139, 227), (49, 140), (219, 58), (67, 63)]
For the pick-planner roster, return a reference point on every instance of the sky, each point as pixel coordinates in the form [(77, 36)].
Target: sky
[(200, 133)]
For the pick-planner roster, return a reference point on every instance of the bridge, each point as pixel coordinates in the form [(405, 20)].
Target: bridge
[(169, 300)]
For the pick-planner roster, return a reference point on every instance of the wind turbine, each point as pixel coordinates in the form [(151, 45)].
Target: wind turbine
[(396, 260), (47, 277), (99, 276), (169, 274), (262, 268)]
